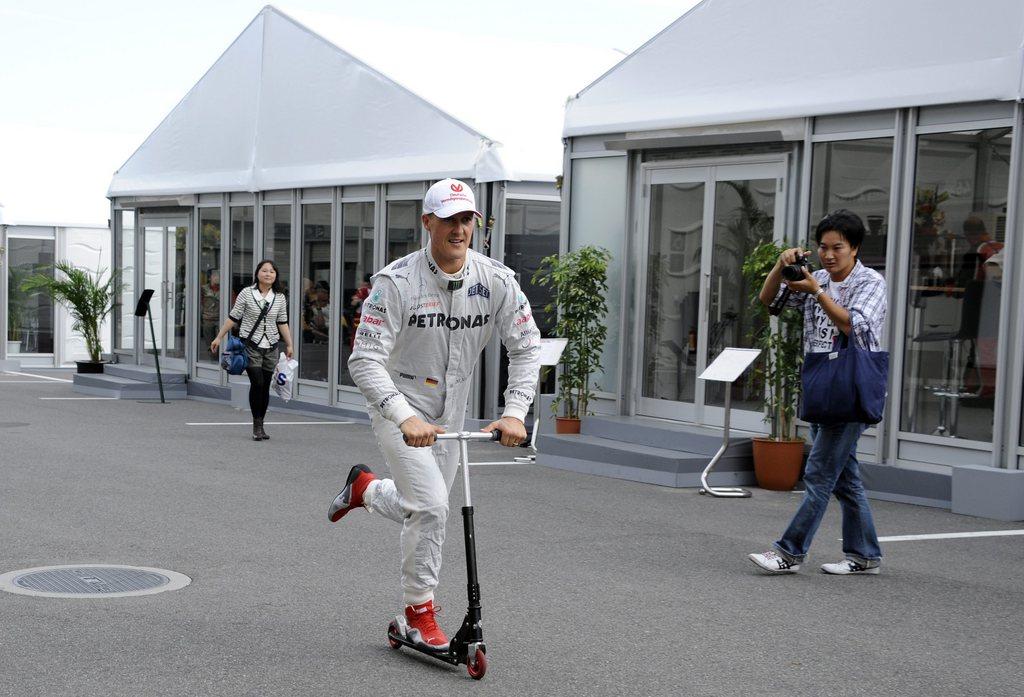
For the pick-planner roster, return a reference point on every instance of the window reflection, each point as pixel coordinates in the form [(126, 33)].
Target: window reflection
[(209, 282), (857, 175), (531, 233), (242, 239), (357, 258), (124, 248), (956, 272), (403, 228), (316, 291), (277, 241), (29, 313)]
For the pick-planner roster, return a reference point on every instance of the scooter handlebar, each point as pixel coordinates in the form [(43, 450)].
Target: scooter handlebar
[(494, 435)]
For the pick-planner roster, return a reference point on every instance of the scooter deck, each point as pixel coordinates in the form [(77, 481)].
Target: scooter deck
[(448, 655)]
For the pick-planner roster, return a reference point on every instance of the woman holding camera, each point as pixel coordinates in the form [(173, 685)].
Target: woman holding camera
[(843, 296), (261, 311)]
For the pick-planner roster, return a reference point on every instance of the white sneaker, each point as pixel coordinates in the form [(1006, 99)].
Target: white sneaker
[(774, 563), (849, 566)]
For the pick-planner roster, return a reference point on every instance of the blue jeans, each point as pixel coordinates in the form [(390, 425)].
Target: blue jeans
[(832, 469)]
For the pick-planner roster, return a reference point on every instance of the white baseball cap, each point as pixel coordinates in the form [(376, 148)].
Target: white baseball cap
[(448, 197)]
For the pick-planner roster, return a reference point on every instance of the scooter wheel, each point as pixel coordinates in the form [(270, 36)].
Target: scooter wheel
[(477, 665), (392, 633)]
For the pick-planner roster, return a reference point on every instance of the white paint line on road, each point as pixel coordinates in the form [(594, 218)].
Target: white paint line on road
[(268, 423), (951, 535), (33, 375), (76, 398), (24, 382)]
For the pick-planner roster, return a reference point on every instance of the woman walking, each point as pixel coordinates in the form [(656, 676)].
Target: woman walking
[(261, 310)]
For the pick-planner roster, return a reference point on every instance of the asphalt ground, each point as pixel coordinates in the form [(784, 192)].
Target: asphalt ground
[(590, 586)]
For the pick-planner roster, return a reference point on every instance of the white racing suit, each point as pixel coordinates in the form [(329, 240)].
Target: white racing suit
[(420, 336)]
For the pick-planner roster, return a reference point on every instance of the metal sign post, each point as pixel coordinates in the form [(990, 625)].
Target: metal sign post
[(550, 354), (142, 310), (730, 364)]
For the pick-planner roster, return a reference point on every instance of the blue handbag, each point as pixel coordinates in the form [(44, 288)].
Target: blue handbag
[(234, 359), (847, 385)]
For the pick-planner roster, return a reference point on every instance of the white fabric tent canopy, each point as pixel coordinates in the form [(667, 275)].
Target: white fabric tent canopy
[(284, 108), (738, 61)]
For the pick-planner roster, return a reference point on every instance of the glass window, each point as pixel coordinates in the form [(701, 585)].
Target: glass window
[(124, 249), (29, 313), (403, 228), (316, 300), (956, 278), (671, 308), (598, 216), (531, 233), (277, 241), (744, 217), (209, 282), (357, 258), (242, 241), (856, 175)]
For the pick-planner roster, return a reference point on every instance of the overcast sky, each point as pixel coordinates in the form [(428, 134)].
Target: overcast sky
[(83, 84)]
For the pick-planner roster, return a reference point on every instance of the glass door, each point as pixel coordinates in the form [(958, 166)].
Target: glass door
[(164, 252), (702, 222)]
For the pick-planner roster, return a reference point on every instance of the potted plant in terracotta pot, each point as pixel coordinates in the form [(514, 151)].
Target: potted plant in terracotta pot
[(89, 299), (778, 458), (580, 282)]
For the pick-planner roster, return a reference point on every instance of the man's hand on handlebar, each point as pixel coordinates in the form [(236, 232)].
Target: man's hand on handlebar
[(418, 433), (513, 431)]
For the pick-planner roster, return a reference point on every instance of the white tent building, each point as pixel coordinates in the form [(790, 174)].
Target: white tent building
[(294, 149), (908, 113)]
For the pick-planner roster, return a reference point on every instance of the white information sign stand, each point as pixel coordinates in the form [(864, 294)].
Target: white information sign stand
[(550, 353), (730, 364)]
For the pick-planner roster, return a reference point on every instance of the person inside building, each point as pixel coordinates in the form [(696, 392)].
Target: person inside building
[(425, 322), (842, 296)]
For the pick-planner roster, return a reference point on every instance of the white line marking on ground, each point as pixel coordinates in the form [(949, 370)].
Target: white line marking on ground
[(951, 535), (267, 423), (76, 398), (24, 382), (33, 375)]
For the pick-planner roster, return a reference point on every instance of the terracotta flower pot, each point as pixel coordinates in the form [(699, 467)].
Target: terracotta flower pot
[(564, 424), (777, 463)]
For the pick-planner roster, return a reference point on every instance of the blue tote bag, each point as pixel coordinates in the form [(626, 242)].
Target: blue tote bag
[(846, 385)]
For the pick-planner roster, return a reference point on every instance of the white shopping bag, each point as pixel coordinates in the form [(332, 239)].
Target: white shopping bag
[(284, 376)]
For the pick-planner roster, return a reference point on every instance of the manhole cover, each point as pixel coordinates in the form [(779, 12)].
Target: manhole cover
[(91, 581)]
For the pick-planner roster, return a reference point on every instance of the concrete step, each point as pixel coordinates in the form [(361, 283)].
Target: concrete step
[(103, 385), (144, 373), (643, 463), (661, 434)]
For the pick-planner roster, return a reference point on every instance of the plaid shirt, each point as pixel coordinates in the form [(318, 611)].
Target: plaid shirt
[(866, 303)]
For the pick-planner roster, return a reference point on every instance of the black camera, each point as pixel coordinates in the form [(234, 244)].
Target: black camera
[(795, 271)]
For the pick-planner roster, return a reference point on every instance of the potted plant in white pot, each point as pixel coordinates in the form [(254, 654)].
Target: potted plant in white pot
[(580, 283), (89, 299), (778, 458)]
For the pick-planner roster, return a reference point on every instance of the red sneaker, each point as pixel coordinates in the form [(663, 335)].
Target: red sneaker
[(423, 627), (352, 495)]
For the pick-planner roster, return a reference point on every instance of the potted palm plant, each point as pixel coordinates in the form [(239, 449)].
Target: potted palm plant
[(579, 280), (778, 458), (89, 299)]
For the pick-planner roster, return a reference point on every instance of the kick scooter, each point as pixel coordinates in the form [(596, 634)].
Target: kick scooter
[(467, 646)]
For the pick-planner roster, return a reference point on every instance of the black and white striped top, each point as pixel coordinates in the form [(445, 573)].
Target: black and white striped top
[(248, 306)]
